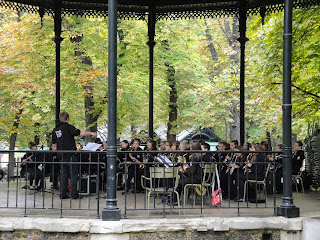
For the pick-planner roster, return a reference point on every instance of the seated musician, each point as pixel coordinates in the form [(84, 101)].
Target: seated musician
[(193, 171), (149, 157), (224, 169), (207, 157), (255, 170), (52, 170), (30, 168), (183, 147), (134, 170), (278, 159), (236, 169), (175, 147), (122, 157)]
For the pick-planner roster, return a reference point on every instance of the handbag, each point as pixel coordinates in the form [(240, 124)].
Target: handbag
[(216, 198)]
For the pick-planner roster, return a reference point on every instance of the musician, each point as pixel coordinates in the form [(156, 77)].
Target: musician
[(184, 146), (167, 148), (233, 144), (122, 156), (193, 169), (162, 145), (53, 169), (149, 157), (31, 168), (236, 169), (278, 169), (63, 135), (256, 171), (247, 146), (297, 158), (224, 160), (134, 170), (175, 147), (207, 157)]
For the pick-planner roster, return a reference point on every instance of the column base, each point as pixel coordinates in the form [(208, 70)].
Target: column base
[(288, 212), (111, 214)]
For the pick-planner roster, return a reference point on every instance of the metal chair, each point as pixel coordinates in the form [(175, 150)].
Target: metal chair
[(297, 178), (207, 181), (157, 174), (258, 182)]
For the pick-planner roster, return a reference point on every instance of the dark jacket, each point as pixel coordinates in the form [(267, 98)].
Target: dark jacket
[(259, 166), (297, 159), (137, 155), (195, 169)]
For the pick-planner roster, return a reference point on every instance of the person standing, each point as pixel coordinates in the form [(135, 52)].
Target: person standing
[(63, 135), (297, 158), (134, 170)]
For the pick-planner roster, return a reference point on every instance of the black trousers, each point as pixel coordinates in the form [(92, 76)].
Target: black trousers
[(134, 172), (278, 176), (35, 174), (69, 170)]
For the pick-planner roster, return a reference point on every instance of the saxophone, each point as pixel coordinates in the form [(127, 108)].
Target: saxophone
[(182, 159), (141, 166)]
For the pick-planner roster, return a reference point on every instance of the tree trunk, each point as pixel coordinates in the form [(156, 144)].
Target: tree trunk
[(91, 119), (235, 125), (13, 138), (212, 49), (231, 33), (173, 108)]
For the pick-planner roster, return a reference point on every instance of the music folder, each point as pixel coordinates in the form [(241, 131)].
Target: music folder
[(165, 161), (91, 147)]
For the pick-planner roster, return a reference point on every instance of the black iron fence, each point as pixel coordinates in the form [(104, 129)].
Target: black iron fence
[(178, 182), (149, 183), (64, 183)]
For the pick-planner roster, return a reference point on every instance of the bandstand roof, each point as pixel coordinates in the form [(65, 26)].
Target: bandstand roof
[(164, 9)]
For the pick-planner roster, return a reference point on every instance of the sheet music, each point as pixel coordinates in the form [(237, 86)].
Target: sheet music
[(91, 147), (166, 161)]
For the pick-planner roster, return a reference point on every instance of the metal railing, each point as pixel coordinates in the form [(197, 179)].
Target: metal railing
[(144, 188), (45, 170), (199, 187)]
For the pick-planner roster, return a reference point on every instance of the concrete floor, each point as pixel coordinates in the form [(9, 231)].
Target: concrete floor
[(15, 201)]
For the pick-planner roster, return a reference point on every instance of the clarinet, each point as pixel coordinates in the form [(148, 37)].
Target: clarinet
[(230, 169)]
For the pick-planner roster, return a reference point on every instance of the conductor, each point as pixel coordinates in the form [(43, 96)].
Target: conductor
[(63, 135)]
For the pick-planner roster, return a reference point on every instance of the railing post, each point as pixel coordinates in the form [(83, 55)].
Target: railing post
[(111, 212), (287, 208)]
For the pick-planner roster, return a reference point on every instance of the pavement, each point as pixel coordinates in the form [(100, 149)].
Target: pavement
[(15, 201)]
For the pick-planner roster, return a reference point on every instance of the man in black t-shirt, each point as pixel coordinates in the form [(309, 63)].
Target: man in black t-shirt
[(63, 135)]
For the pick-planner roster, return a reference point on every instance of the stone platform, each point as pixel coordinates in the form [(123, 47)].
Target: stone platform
[(195, 228)]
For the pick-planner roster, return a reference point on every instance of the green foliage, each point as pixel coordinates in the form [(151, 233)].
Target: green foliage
[(207, 88)]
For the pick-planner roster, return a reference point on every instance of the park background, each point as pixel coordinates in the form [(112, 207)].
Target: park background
[(196, 76)]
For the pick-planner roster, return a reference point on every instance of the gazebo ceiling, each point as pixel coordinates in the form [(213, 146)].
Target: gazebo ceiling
[(164, 9)]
